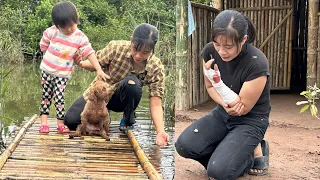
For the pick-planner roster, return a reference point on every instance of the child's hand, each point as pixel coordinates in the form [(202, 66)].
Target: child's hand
[(102, 75)]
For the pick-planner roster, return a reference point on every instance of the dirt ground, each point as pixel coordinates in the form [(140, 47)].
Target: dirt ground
[(293, 138)]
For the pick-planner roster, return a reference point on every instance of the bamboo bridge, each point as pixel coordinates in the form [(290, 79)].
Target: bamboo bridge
[(32, 155)]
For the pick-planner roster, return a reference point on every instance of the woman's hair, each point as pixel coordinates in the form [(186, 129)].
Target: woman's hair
[(145, 36), (233, 24), (64, 14)]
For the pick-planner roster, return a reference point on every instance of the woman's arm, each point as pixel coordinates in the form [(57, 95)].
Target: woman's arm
[(156, 111), (251, 92), (247, 98), (213, 93)]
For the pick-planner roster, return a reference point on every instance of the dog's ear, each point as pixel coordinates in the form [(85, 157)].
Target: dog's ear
[(91, 95)]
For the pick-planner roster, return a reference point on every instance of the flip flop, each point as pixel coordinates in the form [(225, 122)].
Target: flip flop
[(261, 163), (44, 129)]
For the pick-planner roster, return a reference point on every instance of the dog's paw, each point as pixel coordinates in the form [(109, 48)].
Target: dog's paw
[(71, 136)]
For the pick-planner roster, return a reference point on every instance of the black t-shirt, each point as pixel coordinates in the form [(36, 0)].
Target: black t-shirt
[(250, 64)]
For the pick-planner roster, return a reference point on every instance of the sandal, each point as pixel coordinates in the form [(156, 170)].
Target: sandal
[(63, 129), (123, 126), (126, 128), (261, 163), (44, 129)]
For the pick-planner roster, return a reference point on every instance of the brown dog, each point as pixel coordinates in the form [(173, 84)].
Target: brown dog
[(95, 118)]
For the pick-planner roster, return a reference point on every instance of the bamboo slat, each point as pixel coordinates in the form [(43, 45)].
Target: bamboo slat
[(145, 163), (272, 44), (202, 88), (286, 52), (195, 50), (201, 45), (277, 42), (54, 156)]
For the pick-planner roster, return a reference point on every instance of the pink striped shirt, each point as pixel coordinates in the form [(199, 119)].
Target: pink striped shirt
[(61, 49)]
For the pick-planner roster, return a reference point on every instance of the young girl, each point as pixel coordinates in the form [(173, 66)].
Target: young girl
[(60, 44)]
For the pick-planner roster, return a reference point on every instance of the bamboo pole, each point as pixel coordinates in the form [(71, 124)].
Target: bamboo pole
[(272, 44), (5, 155), (194, 49), (262, 27), (181, 55), (283, 46), (290, 47), (286, 51), (278, 47), (204, 42), (312, 42), (145, 163), (258, 25)]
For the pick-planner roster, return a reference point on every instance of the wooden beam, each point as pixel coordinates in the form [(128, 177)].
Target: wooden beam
[(181, 93)]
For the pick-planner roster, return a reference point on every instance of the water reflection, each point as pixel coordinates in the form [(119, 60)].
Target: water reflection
[(23, 99)]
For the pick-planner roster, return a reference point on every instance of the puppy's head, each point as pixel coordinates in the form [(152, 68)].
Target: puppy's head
[(98, 91)]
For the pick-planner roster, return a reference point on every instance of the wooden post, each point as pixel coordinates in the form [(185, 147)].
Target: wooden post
[(217, 4), (181, 100), (312, 42)]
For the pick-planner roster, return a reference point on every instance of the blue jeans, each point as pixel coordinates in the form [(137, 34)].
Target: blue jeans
[(223, 144)]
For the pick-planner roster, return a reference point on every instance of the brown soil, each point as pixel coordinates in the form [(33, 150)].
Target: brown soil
[(293, 138)]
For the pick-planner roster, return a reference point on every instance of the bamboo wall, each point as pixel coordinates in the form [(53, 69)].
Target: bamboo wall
[(203, 17), (273, 21)]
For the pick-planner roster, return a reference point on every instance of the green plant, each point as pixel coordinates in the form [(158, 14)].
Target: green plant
[(10, 48), (311, 94)]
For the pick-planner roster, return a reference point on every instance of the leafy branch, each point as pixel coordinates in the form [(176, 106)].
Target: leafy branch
[(312, 94)]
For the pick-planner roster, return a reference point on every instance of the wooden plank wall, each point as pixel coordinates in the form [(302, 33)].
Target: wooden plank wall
[(203, 17)]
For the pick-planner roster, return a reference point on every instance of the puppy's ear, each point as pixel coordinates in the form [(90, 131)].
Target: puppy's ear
[(92, 96)]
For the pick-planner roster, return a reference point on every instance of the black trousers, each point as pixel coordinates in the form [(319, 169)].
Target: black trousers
[(125, 99), (223, 144)]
